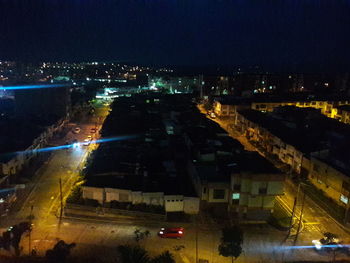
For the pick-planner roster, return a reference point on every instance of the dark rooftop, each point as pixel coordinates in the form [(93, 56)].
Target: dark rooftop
[(344, 107)]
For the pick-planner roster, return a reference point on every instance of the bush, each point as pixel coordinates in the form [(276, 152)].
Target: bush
[(91, 202), (76, 196)]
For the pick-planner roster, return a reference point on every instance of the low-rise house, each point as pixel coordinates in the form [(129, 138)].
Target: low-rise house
[(244, 185), (255, 183), (288, 133), (334, 181), (227, 106), (342, 113)]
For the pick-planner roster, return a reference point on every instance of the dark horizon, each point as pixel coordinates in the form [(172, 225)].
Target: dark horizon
[(278, 36)]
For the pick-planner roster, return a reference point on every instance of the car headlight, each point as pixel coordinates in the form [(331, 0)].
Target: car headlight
[(317, 244), (161, 232), (180, 232)]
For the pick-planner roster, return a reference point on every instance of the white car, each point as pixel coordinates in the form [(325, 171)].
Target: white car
[(86, 142), (317, 244)]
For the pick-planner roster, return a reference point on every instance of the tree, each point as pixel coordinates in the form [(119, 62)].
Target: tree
[(135, 254), (165, 257), (60, 252), (12, 237), (231, 242)]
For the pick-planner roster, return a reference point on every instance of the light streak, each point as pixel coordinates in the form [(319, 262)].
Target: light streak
[(322, 246), (35, 86), (75, 145)]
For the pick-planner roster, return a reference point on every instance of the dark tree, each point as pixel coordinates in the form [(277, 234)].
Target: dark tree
[(135, 254), (165, 257), (60, 252), (12, 237), (231, 242)]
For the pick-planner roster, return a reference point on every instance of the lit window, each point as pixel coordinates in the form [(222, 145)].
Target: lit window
[(235, 196), (344, 199)]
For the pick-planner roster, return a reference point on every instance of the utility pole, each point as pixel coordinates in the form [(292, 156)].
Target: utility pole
[(293, 210), (300, 219), (61, 198), (196, 239), (30, 232), (291, 219)]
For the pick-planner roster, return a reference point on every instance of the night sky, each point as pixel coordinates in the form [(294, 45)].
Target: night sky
[(278, 35)]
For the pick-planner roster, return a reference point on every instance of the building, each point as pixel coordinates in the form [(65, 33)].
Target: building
[(175, 84), (148, 169), (342, 113), (227, 106), (326, 106), (288, 134), (255, 183), (218, 164)]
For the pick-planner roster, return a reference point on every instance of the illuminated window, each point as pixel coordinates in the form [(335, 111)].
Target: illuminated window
[(344, 199), (235, 196)]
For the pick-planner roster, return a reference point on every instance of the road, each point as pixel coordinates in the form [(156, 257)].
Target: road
[(43, 202)]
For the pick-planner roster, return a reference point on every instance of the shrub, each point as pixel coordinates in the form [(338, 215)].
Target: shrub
[(91, 202), (76, 196)]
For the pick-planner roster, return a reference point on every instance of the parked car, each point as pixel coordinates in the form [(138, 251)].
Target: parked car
[(76, 130), (174, 232), (86, 142)]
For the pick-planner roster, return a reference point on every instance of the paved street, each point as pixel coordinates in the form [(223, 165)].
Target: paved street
[(43, 202)]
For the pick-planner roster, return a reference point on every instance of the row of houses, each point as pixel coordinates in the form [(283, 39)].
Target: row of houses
[(333, 108), (13, 163), (312, 145)]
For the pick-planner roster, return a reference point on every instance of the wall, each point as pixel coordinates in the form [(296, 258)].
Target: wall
[(328, 179), (191, 205), (93, 193), (172, 203), (218, 186)]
